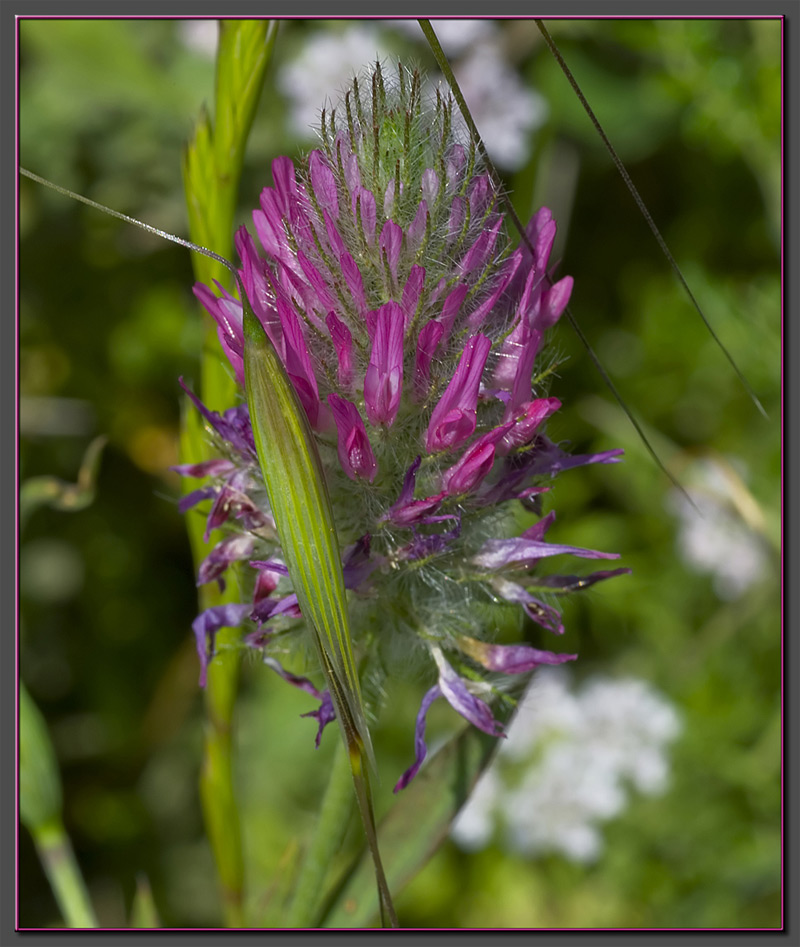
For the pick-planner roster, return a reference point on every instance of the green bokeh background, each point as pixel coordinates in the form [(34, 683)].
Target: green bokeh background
[(108, 323)]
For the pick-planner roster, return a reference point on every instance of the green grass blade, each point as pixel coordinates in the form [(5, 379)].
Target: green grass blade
[(40, 804), (298, 495), (143, 910)]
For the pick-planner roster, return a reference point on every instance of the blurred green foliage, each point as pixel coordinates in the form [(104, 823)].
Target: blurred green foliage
[(108, 323)]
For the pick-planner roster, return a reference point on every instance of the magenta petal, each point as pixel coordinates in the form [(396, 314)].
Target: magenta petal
[(548, 458), (529, 342), (470, 707), (455, 163), (388, 197), (417, 511), (420, 748), (324, 715), (497, 553), (206, 626), (573, 583), (231, 426), (324, 183), (352, 276), (295, 680), (285, 182), (554, 302), (273, 565), (358, 563), (541, 233), (543, 614), (409, 482), (528, 419), (519, 658), (337, 244), (196, 496), (227, 313), (416, 229), (343, 343), (257, 281), (383, 382), (480, 195), (355, 451), (470, 470), (266, 583), (412, 291), (478, 315), (352, 175), (481, 250), (427, 342), (365, 206), (298, 362), (324, 298), (454, 418), (538, 531), (407, 511), (512, 350), (458, 214), (391, 240), (268, 221), (451, 307), (206, 468), (270, 608), (232, 549)]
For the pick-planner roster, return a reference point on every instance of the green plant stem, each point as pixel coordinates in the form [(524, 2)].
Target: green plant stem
[(217, 788), (334, 815), (217, 791), (58, 858), (212, 168)]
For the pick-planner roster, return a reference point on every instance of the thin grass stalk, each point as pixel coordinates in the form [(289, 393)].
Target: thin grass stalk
[(58, 858)]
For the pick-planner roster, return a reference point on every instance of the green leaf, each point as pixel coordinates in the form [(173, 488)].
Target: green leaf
[(415, 826), (39, 781), (143, 910), (40, 804), (298, 495), (325, 842)]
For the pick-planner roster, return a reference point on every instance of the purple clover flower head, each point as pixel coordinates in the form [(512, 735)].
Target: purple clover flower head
[(414, 333)]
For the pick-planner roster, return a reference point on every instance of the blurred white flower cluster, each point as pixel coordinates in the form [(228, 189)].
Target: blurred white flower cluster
[(201, 36), (567, 765), (505, 110), (721, 534), (329, 59)]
